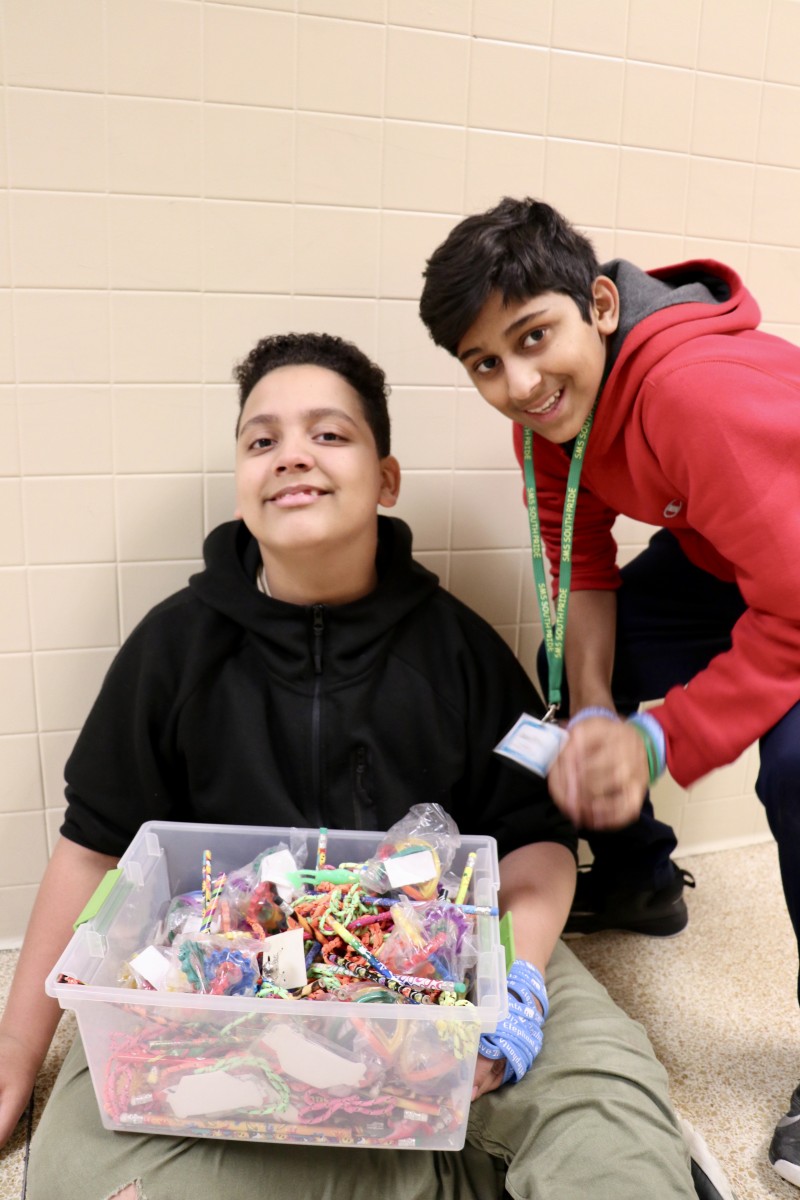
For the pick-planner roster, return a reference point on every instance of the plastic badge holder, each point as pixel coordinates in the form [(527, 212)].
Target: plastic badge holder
[(308, 1072)]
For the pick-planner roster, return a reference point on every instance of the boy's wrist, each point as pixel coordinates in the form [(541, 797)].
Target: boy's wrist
[(518, 1038), (592, 710), (590, 695), (651, 733), (27, 1056)]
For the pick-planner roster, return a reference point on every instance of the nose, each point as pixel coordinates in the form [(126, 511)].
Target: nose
[(292, 456), (522, 379)]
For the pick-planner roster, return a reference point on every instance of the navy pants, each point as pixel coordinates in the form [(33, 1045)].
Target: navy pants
[(672, 619)]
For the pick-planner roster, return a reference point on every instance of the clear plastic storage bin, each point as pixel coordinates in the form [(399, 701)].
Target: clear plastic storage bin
[(270, 1069)]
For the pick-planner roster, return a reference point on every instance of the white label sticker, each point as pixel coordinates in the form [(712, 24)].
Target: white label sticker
[(274, 869), (284, 960), (311, 1061), (152, 966), (403, 869), (213, 1092), (533, 744), (276, 866)]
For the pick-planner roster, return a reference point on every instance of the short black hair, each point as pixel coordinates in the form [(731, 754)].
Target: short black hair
[(519, 248), (321, 350)]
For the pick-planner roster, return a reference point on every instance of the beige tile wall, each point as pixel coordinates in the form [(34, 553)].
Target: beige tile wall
[(180, 177)]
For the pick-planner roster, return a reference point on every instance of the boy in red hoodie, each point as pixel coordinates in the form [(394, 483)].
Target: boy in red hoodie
[(652, 395)]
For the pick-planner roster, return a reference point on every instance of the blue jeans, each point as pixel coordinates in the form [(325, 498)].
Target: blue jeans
[(672, 619)]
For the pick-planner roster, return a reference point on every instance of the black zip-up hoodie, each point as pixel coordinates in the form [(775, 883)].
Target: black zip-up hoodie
[(227, 706)]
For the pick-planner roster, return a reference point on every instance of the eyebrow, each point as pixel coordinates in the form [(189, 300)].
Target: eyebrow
[(529, 316), (308, 414)]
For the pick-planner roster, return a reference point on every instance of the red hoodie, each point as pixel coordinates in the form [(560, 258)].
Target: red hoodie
[(697, 429)]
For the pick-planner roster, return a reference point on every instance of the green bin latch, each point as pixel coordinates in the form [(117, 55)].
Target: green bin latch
[(98, 896), (507, 938)]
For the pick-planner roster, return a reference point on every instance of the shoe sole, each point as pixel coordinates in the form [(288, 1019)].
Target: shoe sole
[(710, 1180), (787, 1170), (667, 925)]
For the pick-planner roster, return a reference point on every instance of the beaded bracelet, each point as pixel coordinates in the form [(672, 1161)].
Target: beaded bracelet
[(594, 710), (652, 735)]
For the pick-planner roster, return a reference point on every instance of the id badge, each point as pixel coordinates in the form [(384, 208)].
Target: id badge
[(533, 744)]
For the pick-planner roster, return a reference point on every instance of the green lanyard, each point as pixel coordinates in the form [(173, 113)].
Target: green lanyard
[(554, 634)]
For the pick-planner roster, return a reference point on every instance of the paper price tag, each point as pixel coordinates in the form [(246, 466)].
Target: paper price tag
[(404, 869), (310, 1060), (274, 869), (217, 1092), (152, 966), (284, 962), (533, 744)]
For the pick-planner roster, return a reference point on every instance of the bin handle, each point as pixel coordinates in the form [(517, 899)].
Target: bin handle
[(98, 896)]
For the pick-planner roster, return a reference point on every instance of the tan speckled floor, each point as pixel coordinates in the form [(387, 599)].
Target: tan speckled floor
[(13, 1155), (718, 1002)]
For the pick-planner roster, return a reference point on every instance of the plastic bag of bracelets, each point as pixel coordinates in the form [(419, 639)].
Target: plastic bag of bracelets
[(518, 1038), (244, 881), (424, 828)]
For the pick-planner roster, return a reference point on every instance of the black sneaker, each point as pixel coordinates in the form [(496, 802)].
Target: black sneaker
[(784, 1149), (658, 912)]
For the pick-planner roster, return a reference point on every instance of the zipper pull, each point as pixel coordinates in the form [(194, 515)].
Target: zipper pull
[(318, 627)]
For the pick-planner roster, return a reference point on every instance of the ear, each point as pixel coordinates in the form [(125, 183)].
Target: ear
[(390, 482), (605, 305)]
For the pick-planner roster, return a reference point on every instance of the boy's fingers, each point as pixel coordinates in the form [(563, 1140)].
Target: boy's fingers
[(488, 1075), (600, 778), (564, 785), (571, 785), (613, 812)]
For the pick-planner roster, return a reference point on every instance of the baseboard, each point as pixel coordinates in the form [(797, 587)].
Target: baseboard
[(717, 844)]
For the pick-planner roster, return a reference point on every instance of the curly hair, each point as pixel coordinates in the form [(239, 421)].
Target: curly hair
[(519, 248), (321, 350)]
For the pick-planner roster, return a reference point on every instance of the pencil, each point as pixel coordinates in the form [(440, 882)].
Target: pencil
[(463, 886), (322, 848)]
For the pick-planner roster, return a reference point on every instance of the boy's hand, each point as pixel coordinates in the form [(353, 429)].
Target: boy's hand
[(601, 776), (488, 1075), (18, 1067)]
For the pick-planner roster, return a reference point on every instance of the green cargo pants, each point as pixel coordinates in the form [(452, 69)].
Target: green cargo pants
[(591, 1119)]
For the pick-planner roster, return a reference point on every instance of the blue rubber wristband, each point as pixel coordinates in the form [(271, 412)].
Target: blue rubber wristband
[(518, 1038), (594, 710), (648, 723)]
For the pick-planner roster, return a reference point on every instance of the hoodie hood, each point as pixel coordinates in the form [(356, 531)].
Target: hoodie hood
[(660, 311), (228, 585), (643, 293)]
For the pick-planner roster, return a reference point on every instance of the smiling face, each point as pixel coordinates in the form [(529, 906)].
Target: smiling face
[(538, 362), (308, 475)]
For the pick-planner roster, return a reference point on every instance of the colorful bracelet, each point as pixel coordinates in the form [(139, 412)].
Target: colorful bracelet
[(594, 710), (652, 735), (518, 1038)]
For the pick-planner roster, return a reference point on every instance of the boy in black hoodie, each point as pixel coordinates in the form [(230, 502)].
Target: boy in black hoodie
[(313, 673)]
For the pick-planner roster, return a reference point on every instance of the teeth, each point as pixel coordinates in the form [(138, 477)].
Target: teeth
[(546, 407)]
